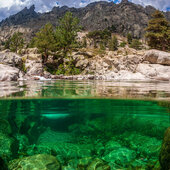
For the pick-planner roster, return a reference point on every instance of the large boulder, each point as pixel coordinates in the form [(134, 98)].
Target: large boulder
[(10, 58), (164, 158), (41, 161), (157, 57), (34, 68), (8, 146), (8, 73), (123, 156)]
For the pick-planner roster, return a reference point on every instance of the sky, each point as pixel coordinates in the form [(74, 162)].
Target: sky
[(10, 7)]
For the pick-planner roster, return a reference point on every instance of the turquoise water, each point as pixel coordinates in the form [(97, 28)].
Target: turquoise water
[(81, 129)]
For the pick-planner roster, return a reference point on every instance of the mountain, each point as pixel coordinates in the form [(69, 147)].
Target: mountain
[(123, 18), (22, 17)]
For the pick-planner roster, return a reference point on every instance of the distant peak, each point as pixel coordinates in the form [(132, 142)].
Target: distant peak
[(32, 8), (124, 1)]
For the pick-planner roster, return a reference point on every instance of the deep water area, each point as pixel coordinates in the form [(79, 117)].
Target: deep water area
[(83, 133), (124, 133)]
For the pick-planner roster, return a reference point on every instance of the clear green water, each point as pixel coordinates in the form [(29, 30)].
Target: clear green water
[(123, 133)]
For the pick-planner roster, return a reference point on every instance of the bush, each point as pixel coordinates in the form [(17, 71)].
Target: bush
[(136, 44), (67, 69), (102, 46), (122, 44), (129, 38)]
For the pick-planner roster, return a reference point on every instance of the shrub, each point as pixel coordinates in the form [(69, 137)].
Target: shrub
[(129, 38), (136, 44), (122, 44)]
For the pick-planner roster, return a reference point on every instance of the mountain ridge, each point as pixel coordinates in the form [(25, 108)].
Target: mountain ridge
[(125, 17)]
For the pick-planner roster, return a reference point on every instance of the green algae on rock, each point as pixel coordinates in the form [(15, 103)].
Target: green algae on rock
[(8, 147), (165, 151), (36, 162)]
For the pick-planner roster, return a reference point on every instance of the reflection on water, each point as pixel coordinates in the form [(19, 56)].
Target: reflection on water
[(62, 88), (119, 133)]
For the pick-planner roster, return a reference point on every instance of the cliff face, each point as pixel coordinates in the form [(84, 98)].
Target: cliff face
[(123, 18)]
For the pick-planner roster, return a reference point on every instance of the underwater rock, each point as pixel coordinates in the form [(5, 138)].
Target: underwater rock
[(23, 144), (98, 164), (78, 163), (145, 146), (63, 151), (87, 163), (120, 156), (50, 136), (32, 127), (5, 126), (8, 146), (40, 162), (111, 145), (164, 158)]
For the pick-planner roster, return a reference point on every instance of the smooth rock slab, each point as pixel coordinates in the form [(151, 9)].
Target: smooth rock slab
[(154, 71), (36, 162)]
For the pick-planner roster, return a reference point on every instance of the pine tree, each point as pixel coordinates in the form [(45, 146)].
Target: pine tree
[(158, 32), (67, 30), (129, 38), (45, 41), (16, 42), (113, 44)]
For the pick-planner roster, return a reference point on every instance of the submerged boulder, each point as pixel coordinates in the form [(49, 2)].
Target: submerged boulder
[(8, 146), (41, 161), (121, 156), (164, 158), (98, 164)]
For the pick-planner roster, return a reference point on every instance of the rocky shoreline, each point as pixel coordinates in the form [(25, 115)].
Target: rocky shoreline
[(124, 64)]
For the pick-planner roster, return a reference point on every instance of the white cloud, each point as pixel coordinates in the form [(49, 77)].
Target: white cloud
[(159, 4), (10, 7)]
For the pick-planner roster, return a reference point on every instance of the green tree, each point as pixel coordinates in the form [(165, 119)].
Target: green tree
[(45, 41), (113, 44), (16, 42), (66, 32), (129, 38), (99, 36), (158, 31)]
